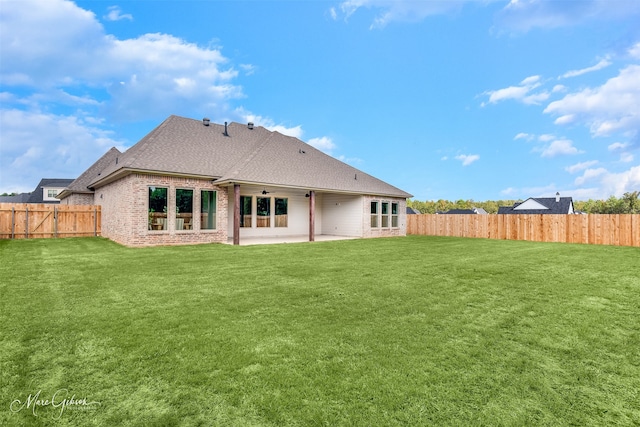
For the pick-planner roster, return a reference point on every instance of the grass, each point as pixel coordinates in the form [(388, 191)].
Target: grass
[(401, 331)]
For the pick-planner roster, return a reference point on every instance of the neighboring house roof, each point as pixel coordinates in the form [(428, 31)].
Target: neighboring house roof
[(412, 211), (540, 205), (186, 147), (37, 196), (474, 211), (81, 184), (18, 198)]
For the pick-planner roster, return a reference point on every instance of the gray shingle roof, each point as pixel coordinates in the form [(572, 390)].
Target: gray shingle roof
[(81, 184), (18, 198), (184, 146), (563, 206), (474, 211)]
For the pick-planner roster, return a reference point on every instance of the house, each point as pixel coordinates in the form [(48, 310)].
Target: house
[(191, 181), (413, 211), (46, 191), (473, 211), (540, 205)]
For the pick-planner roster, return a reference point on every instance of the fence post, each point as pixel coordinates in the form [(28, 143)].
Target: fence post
[(13, 222), (95, 222), (55, 222)]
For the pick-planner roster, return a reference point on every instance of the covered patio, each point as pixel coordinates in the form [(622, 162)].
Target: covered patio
[(246, 241)]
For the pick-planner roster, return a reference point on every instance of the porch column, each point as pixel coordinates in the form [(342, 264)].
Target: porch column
[(236, 214), (312, 216)]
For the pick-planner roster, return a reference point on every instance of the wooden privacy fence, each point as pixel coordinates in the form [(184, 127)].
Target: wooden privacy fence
[(619, 230), (29, 220)]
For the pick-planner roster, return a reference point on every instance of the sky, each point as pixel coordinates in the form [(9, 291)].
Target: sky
[(476, 99)]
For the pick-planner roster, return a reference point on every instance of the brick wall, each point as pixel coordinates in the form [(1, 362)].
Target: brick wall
[(78, 199), (368, 231), (125, 211)]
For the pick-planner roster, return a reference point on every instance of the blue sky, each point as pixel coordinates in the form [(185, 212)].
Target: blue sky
[(479, 100)]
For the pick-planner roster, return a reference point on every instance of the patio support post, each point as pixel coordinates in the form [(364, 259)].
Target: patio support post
[(236, 214), (312, 215)]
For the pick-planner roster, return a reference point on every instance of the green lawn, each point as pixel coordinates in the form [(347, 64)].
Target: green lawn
[(378, 332)]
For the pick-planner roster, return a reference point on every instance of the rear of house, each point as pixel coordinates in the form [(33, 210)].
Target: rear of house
[(191, 181)]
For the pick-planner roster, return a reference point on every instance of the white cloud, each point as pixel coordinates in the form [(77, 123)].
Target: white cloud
[(580, 166), (623, 182), (546, 137), (565, 120), (395, 10), (150, 76), (520, 93), (626, 157), (589, 175), (612, 107), (623, 148), (525, 136), (467, 159), (524, 15), (518, 15), (618, 146), (559, 147), (634, 51), (323, 144), (115, 14), (526, 192), (28, 141), (599, 66)]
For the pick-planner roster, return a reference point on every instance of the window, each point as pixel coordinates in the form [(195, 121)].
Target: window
[(394, 214), (374, 214), (281, 219), (263, 211), (157, 208), (385, 214), (184, 209), (245, 211), (208, 210), (52, 194)]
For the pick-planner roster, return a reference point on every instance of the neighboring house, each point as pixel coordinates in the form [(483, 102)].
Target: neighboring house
[(46, 192), (540, 205), (413, 211), (473, 211), (191, 181)]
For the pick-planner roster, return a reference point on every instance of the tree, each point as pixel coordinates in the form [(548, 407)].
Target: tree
[(631, 201)]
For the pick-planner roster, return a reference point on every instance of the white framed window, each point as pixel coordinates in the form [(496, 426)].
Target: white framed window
[(208, 210), (394, 215), (374, 214), (384, 214)]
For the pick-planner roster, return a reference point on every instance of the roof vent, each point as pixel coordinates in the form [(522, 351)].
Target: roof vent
[(206, 121), (250, 125), (226, 133), (557, 197)]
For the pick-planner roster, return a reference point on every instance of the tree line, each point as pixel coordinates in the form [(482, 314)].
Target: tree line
[(629, 203)]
